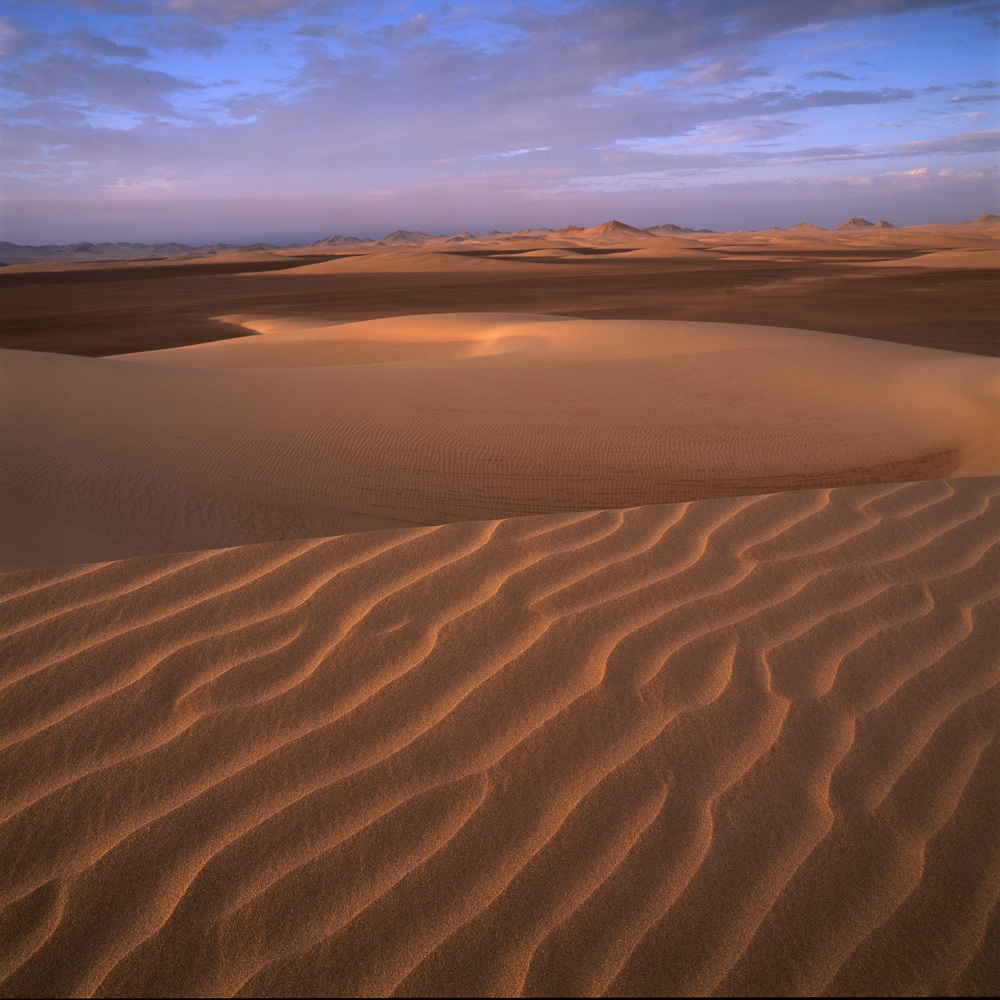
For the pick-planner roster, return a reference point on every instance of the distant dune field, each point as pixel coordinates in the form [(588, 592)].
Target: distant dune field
[(584, 624), (931, 286)]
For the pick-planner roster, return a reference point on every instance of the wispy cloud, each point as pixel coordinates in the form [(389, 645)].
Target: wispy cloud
[(172, 34), (955, 145), (827, 74), (228, 98), (517, 152), (82, 77)]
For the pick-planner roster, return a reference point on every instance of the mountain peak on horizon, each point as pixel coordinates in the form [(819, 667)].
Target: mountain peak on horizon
[(410, 236), (855, 222), (604, 230), (341, 241)]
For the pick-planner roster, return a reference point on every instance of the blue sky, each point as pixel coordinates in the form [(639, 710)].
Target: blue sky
[(290, 120)]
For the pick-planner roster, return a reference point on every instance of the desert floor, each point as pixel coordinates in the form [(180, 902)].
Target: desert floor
[(548, 617)]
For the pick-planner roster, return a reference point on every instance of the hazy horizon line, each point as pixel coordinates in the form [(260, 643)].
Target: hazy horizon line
[(354, 233)]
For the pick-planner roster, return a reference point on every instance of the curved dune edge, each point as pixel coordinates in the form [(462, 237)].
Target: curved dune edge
[(728, 747), (986, 258), (405, 260), (315, 428)]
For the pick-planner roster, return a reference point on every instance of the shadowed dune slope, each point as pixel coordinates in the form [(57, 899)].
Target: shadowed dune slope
[(317, 429), (727, 747)]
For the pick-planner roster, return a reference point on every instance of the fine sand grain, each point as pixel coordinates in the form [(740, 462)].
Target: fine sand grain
[(731, 747)]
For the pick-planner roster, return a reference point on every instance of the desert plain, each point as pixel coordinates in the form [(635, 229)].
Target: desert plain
[(592, 612)]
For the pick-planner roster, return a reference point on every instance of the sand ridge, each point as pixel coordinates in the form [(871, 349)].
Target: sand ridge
[(729, 747), (309, 430), (390, 260), (980, 257)]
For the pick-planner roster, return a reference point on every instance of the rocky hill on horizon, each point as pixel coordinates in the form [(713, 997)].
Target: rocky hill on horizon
[(612, 231)]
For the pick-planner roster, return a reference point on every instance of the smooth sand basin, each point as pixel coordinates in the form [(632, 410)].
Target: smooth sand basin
[(314, 430), (731, 747)]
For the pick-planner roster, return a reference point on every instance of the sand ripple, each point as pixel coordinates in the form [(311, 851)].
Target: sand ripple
[(725, 747)]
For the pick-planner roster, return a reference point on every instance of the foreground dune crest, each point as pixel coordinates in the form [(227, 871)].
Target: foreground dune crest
[(313, 428), (730, 747)]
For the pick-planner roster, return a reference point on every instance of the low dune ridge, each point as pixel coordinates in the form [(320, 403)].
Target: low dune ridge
[(390, 260), (565, 252), (730, 747), (985, 258), (313, 429)]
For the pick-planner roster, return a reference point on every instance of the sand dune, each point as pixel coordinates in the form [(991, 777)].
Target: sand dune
[(962, 258), (907, 238), (552, 252), (401, 261), (731, 747), (185, 260), (667, 247), (315, 429)]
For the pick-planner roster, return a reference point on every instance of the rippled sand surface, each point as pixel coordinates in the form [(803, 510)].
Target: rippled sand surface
[(730, 746)]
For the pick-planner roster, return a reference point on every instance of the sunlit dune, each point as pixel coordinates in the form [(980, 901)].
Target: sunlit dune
[(307, 431), (666, 248), (402, 260), (964, 258), (733, 747), (552, 252)]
